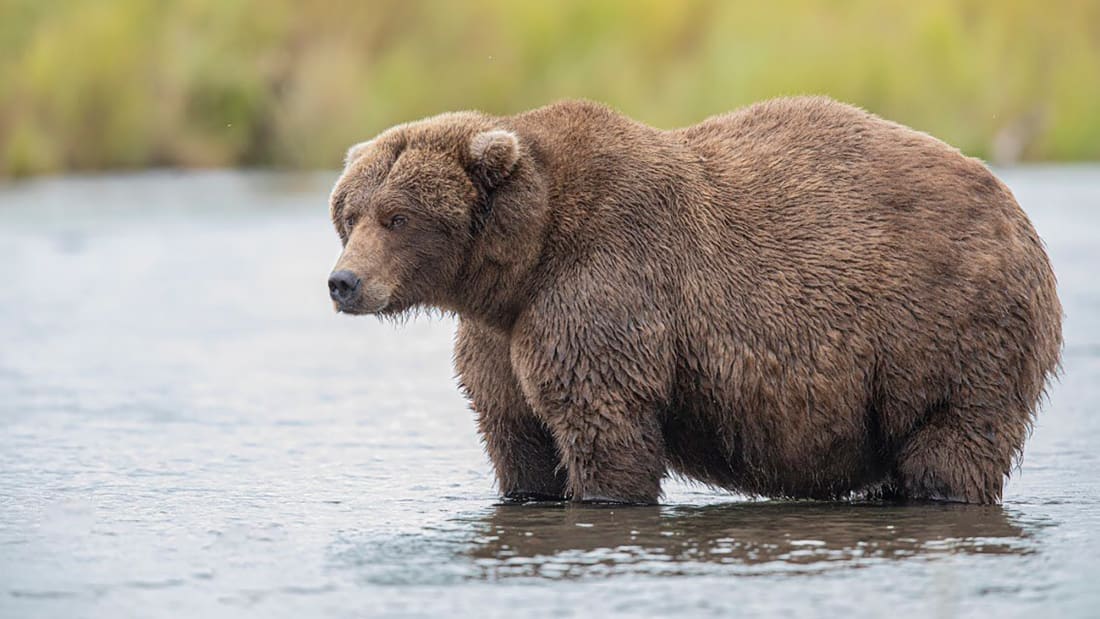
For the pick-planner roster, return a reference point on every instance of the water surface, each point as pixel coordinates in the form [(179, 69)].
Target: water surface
[(186, 429)]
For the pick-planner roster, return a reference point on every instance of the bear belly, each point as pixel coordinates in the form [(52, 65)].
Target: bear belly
[(774, 453)]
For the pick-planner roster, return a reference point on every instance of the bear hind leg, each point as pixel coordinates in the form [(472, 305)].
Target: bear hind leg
[(961, 454)]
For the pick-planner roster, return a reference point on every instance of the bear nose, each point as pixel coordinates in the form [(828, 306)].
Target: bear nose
[(343, 286)]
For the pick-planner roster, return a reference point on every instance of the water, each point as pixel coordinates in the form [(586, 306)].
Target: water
[(186, 429)]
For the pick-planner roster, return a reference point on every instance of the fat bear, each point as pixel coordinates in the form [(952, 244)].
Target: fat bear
[(795, 299)]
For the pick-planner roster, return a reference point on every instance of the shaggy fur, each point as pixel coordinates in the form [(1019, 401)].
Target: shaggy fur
[(794, 299)]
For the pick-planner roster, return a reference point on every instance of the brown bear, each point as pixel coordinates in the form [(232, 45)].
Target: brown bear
[(795, 299)]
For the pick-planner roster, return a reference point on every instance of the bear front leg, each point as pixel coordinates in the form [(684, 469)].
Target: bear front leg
[(614, 453), (520, 446), (597, 372), (524, 456)]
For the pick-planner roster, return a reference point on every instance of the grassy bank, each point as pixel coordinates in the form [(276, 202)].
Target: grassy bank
[(103, 84)]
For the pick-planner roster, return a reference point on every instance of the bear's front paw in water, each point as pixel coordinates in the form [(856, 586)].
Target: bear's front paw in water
[(596, 499), (523, 496)]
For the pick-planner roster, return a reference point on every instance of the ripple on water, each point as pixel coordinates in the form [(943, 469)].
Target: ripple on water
[(228, 446)]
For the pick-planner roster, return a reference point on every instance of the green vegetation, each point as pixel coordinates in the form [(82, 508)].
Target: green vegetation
[(97, 84)]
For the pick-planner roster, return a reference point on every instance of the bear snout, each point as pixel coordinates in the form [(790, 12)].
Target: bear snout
[(352, 295), (343, 288)]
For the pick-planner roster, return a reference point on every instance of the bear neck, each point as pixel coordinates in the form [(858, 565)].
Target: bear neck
[(497, 279)]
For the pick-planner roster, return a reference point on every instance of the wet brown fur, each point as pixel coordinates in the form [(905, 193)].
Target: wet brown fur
[(794, 299)]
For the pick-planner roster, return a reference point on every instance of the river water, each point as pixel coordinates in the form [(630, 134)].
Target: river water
[(187, 429)]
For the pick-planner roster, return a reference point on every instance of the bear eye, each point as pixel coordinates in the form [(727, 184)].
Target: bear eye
[(397, 221), (349, 223)]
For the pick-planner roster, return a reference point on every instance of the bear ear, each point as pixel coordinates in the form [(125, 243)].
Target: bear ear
[(494, 154), (356, 151)]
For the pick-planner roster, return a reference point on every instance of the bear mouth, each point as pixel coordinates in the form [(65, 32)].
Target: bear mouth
[(388, 308), (357, 308)]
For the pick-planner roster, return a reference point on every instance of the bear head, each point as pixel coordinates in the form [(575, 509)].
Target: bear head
[(447, 213)]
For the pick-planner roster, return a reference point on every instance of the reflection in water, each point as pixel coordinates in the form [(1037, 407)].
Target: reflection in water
[(571, 541), (564, 541)]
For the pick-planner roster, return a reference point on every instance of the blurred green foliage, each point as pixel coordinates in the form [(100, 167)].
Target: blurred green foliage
[(95, 84)]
